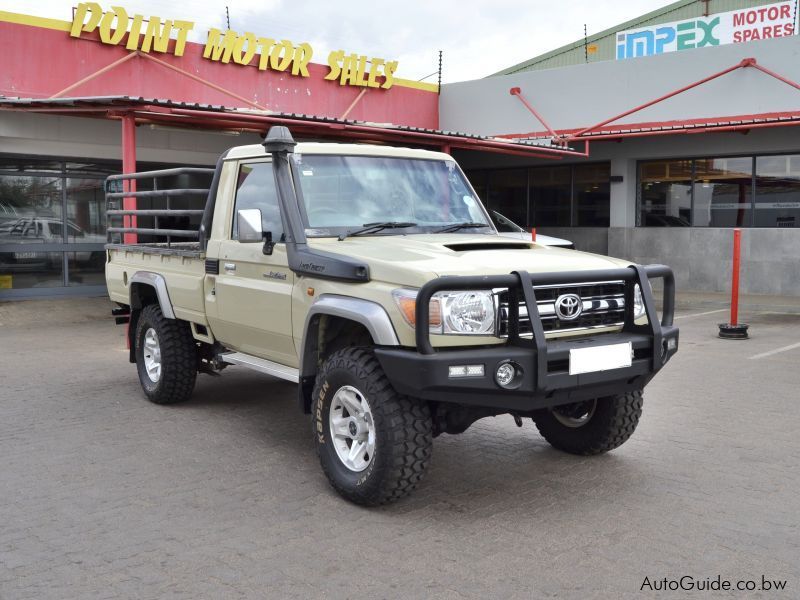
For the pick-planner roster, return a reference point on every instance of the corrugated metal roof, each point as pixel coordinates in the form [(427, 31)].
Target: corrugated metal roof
[(666, 127), (105, 104), (574, 53)]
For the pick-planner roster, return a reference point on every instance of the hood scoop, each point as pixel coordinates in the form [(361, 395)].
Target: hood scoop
[(470, 247)]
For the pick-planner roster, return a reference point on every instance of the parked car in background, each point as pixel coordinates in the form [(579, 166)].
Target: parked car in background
[(507, 228), (35, 231)]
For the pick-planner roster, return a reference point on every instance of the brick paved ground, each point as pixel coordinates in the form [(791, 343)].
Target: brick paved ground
[(107, 496)]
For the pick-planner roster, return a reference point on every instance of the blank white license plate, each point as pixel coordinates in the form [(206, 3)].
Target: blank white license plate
[(600, 358)]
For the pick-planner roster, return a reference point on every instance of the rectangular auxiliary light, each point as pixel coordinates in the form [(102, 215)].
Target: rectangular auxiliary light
[(465, 371)]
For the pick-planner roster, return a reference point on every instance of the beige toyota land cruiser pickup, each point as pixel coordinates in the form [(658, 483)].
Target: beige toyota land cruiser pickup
[(374, 279)]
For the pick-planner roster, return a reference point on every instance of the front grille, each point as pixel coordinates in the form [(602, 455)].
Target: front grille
[(603, 305)]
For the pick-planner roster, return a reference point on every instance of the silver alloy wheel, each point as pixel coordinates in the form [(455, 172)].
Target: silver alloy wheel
[(575, 415), (152, 355), (352, 429)]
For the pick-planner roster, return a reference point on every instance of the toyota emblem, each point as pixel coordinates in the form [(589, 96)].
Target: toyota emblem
[(569, 307)]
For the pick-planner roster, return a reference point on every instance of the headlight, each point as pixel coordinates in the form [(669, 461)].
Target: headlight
[(638, 303), (458, 313), (467, 312)]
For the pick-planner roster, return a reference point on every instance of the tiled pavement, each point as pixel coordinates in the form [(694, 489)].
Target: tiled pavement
[(103, 495)]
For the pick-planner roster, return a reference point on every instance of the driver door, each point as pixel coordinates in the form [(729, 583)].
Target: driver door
[(254, 290)]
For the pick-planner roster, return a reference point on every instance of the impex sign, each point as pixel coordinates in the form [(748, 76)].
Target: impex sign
[(733, 27)]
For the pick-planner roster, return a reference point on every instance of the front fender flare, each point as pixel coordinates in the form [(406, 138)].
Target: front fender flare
[(369, 314)]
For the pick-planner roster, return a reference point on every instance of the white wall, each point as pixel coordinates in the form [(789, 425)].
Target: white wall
[(583, 95)]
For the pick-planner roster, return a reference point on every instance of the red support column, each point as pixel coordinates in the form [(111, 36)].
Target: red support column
[(129, 166)]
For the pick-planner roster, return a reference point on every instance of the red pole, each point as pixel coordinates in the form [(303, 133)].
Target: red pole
[(746, 62), (515, 91), (533, 234), (737, 240), (129, 166)]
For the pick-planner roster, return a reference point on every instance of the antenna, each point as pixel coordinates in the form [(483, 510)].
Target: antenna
[(585, 44), (227, 16), (440, 72)]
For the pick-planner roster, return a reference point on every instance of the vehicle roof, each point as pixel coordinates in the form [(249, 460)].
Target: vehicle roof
[(257, 150)]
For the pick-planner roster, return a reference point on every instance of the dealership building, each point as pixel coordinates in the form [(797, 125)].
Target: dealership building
[(649, 141)]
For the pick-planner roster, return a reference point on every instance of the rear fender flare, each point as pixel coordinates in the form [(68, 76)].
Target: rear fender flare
[(158, 283)]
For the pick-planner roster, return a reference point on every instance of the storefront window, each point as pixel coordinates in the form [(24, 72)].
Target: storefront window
[(666, 193), (53, 220), (26, 268), (723, 192), (52, 223), (86, 268), (508, 194), (557, 196), (777, 199), (23, 198), (86, 209), (592, 193), (551, 193)]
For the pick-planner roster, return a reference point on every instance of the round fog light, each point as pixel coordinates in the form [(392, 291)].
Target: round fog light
[(508, 375)]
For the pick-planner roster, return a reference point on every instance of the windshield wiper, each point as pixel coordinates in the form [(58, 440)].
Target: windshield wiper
[(464, 225), (375, 227)]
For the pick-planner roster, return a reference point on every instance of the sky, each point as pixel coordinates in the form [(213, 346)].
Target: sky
[(477, 37)]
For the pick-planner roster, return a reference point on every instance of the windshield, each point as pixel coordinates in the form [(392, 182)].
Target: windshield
[(343, 193)]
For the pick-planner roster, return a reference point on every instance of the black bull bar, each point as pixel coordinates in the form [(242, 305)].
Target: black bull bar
[(520, 285)]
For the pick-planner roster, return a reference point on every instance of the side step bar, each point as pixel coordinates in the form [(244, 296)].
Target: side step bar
[(261, 365)]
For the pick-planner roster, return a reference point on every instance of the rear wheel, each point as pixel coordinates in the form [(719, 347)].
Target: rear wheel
[(373, 443), (166, 357), (592, 426)]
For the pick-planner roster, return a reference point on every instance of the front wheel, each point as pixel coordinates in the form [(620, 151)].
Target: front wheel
[(373, 443), (592, 426)]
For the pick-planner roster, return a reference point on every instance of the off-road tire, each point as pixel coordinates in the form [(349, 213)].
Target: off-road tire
[(178, 357), (403, 431), (613, 422)]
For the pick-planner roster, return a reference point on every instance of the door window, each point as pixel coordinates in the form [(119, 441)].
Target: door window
[(255, 188)]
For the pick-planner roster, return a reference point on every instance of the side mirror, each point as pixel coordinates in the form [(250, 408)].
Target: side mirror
[(248, 221)]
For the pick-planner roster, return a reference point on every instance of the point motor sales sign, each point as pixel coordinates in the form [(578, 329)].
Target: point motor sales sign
[(736, 26)]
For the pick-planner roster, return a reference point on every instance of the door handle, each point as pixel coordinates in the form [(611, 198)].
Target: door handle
[(229, 267)]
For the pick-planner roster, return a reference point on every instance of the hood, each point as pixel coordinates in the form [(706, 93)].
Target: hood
[(412, 260)]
